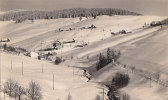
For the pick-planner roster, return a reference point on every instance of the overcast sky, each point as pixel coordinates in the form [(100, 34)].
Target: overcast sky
[(148, 7)]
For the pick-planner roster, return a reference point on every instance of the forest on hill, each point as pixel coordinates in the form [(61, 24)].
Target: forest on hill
[(21, 16)]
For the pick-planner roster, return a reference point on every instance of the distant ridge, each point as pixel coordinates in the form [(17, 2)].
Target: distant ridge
[(21, 15)]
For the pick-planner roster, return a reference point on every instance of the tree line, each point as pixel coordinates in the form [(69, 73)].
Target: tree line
[(65, 13)]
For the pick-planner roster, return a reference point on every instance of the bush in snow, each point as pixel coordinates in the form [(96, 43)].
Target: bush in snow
[(39, 58), (58, 60), (120, 80), (5, 46)]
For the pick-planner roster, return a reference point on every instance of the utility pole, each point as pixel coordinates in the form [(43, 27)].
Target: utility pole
[(0, 72), (73, 70), (103, 93), (4, 95), (53, 81), (41, 45)]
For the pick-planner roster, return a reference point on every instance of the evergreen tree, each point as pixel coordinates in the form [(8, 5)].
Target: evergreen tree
[(109, 57)]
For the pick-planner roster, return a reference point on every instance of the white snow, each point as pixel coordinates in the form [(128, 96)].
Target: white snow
[(65, 81), (30, 35)]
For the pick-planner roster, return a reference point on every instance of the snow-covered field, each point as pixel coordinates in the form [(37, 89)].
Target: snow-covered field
[(31, 35), (68, 78)]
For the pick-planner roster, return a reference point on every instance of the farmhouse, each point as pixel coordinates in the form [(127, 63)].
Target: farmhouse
[(56, 44), (5, 40), (155, 23), (70, 41), (31, 54)]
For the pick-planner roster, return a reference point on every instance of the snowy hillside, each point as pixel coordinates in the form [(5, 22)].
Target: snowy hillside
[(28, 34), (81, 38)]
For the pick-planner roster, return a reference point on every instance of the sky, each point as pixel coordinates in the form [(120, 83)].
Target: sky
[(146, 7)]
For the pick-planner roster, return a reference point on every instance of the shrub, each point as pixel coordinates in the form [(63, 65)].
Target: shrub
[(58, 60), (13, 49), (22, 49), (120, 80), (39, 58), (9, 48), (5, 46), (87, 57), (113, 93)]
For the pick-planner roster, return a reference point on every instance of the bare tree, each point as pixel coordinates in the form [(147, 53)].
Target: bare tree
[(19, 91), (34, 91), (10, 85)]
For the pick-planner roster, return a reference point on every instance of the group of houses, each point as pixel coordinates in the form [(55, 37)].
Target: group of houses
[(5, 40), (155, 23), (120, 32)]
